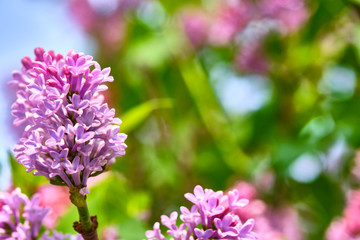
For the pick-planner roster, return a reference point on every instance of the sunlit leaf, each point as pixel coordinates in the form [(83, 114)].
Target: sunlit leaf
[(135, 116)]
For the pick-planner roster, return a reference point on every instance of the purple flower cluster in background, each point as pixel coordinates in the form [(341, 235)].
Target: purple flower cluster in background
[(211, 217), (70, 134), (21, 218), (245, 24)]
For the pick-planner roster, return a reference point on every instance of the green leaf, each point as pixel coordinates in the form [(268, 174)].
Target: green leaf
[(355, 1), (57, 183), (132, 229), (26, 181), (65, 222), (135, 116), (318, 127), (154, 51)]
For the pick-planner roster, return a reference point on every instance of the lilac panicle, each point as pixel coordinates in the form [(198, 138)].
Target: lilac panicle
[(70, 134), (211, 217), (155, 233), (21, 218)]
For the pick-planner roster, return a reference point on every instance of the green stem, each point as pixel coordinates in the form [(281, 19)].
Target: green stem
[(87, 225), (85, 217)]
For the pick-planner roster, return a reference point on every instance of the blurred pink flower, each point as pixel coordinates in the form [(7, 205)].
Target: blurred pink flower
[(1, 203), (284, 220), (275, 224), (347, 227), (265, 181), (352, 214), (56, 198), (291, 14), (232, 17), (251, 58), (338, 231), (110, 233), (246, 190), (195, 27), (245, 24), (104, 19), (83, 14)]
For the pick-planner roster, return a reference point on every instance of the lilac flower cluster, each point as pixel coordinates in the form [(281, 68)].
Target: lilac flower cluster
[(21, 218), (70, 134), (211, 217)]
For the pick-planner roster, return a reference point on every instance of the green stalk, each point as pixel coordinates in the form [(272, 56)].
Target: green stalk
[(87, 225), (85, 217)]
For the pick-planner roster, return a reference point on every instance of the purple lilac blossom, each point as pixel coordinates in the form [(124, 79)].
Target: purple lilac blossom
[(70, 134), (22, 218), (211, 217)]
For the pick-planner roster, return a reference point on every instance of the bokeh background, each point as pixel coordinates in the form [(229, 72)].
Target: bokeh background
[(258, 95)]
